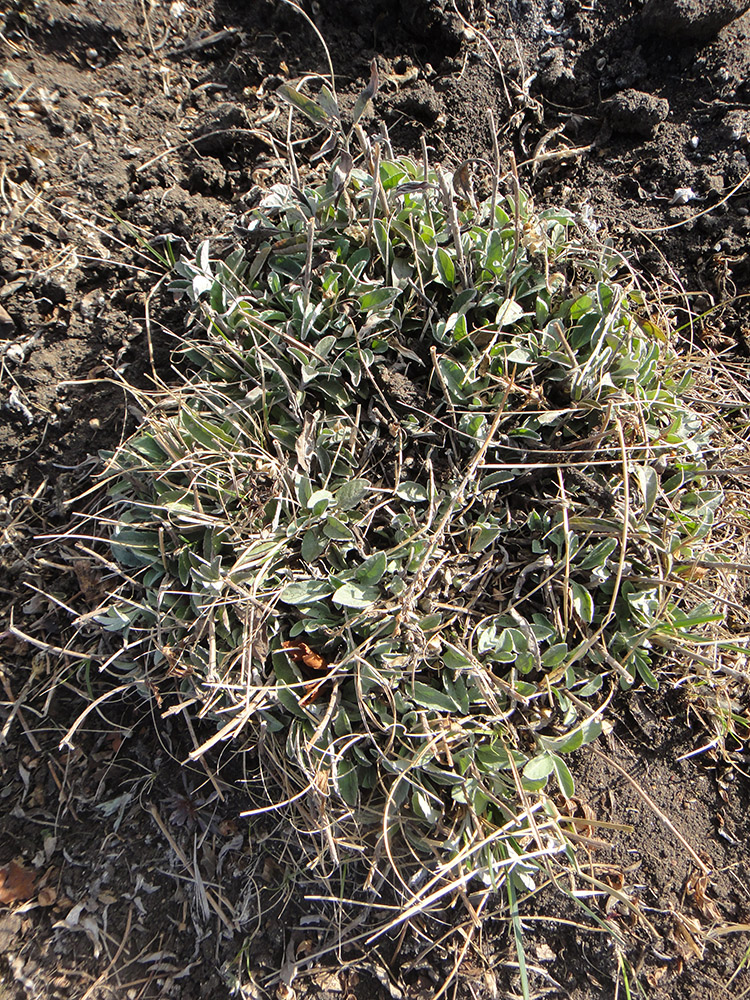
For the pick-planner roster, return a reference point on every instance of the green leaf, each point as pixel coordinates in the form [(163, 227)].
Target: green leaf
[(312, 546), (583, 602), (429, 697), (306, 591), (426, 806), (308, 108), (355, 595), (378, 299), (555, 655), (351, 493), (598, 556), (329, 103), (337, 530), (647, 676), (591, 729), (455, 658), (412, 492), (454, 376), (319, 501), (563, 744), (372, 569), (496, 479), (457, 691), (445, 266), (147, 446), (508, 313), (481, 536), (649, 484), (346, 782), (537, 771), (521, 356), (563, 775)]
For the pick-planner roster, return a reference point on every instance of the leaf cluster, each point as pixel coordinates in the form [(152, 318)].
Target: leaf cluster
[(439, 444)]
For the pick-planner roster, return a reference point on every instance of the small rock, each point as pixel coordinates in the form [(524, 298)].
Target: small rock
[(691, 20), (636, 113)]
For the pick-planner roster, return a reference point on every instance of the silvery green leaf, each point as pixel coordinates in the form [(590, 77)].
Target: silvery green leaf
[(536, 772), (649, 484), (319, 501), (308, 108), (328, 103), (508, 313), (598, 555), (372, 569), (412, 492), (355, 595), (337, 530), (429, 697), (564, 777), (378, 299), (445, 266), (312, 546), (306, 591), (583, 602), (555, 655), (346, 781), (351, 493)]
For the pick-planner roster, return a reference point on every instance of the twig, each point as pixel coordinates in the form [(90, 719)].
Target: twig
[(66, 741), (450, 210), (496, 170), (516, 223)]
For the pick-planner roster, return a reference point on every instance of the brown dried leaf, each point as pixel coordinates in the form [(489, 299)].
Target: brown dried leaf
[(300, 652), (695, 891), (47, 896), (688, 936), (16, 883), (305, 444)]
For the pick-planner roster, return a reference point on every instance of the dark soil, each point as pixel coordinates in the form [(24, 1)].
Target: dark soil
[(132, 125)]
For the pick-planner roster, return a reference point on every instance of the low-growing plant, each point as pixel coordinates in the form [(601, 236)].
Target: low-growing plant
[(410, 517)]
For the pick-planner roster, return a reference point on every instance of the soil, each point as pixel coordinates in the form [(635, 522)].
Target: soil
[(131, 128)]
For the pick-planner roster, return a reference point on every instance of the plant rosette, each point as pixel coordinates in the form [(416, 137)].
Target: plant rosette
[(408, 514)]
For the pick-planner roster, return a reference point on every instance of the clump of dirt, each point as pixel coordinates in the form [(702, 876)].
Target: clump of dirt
[(129, 132)]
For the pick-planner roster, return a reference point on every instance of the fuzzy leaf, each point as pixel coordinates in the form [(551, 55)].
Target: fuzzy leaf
[(412, 492), (355, 595), (563, 775), (446, 267), (429, 697), (308, 108), (583, 602), (378, 299), (351, 493), (508, 313), (537, 771), (372, 569), (306, 591), (649, 484)]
